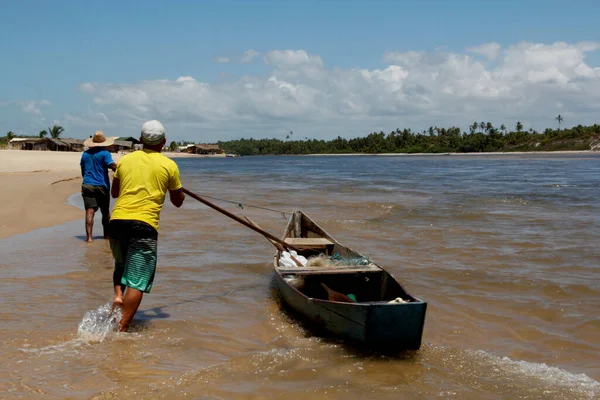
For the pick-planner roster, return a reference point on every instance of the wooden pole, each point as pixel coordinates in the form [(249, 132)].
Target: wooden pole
[(238, 219), (277, 245)]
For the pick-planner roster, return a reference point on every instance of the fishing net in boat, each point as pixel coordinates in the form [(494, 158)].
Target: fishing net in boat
[(336, 259), (323, 260)]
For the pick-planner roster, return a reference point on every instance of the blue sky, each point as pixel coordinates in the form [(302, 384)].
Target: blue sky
[(130, 55)]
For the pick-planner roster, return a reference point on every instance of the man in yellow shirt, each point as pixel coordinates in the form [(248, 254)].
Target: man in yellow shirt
[(140, 184)]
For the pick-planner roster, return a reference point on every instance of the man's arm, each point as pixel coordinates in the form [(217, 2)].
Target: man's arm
[(110, 164), (116, 188), (176, 194), (177, 197)]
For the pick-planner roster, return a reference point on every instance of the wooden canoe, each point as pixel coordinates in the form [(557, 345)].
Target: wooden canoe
[(373, 320)]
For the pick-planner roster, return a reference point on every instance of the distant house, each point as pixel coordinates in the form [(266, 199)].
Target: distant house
[(207, 149), (75, 144), (128, 139), (123, 144), (120, 146), (52, 144), (28, 143)]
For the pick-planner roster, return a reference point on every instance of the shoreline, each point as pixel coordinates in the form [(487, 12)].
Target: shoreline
[(38, 183), (496, 153)]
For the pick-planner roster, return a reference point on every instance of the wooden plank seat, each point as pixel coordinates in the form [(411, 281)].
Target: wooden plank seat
[(309, 243), (338, 269)]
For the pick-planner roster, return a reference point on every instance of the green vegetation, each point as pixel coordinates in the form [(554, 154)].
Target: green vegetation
[(54, 132), (482, 137)]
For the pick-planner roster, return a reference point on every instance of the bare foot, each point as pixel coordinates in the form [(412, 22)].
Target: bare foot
[(117, 302), (89, 240)]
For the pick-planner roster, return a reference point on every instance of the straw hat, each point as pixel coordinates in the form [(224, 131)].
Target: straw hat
[(98, 140)]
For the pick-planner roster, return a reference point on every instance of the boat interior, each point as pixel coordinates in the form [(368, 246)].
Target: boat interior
[(372, 287), (346, 276)]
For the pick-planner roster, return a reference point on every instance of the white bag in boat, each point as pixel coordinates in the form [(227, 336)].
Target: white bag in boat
[(286, 262)]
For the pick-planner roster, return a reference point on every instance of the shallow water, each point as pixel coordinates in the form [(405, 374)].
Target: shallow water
[(503, 249)]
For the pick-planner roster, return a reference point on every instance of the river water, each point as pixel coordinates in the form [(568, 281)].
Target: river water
[(503, 248)]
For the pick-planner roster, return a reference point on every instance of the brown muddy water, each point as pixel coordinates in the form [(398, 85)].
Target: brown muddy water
[(504, 250)]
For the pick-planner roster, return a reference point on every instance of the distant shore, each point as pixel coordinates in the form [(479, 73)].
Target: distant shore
[(492, 153)]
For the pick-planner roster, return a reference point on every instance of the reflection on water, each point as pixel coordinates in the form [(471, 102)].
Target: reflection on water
[(503, 249)]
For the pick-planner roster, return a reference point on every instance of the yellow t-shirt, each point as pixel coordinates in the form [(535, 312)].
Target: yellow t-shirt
[(145, 176)]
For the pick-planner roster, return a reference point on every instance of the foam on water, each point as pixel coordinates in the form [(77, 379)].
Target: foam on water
[(97, 325), (552, 378)]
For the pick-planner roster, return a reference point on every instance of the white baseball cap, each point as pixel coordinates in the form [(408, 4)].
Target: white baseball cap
[(153, 132)]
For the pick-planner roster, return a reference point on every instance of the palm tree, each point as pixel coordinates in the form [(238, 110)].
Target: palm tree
[(474, 127), (55, 131), (519, 126), (559, 119), (43, 134), (503, 128), (10, 135)]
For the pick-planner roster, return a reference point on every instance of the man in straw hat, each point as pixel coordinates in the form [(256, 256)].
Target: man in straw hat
[(95, 163), (140, 185)]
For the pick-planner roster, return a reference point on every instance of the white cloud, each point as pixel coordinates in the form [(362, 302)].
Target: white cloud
[(490, 50), (222, 60), (530, 82), (291, 59), (33, 107), (249, 56)]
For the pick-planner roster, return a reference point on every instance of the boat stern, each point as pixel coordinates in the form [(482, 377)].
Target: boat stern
[(396, 326)]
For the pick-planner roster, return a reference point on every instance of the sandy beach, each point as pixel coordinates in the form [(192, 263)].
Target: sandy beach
[(36, 186)]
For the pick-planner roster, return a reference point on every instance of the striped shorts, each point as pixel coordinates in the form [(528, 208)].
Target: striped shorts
[(134, 248)]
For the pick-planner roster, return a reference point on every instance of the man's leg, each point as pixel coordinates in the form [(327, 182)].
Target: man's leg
[(89, 223), (104, 205), (131, 303), (118, 248), (139, 270), (90, 204)]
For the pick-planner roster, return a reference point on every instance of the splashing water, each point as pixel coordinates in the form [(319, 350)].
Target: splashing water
[(98, 324)]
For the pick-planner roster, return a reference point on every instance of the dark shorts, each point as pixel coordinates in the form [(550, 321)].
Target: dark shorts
[(134, 248), (95, 197)]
